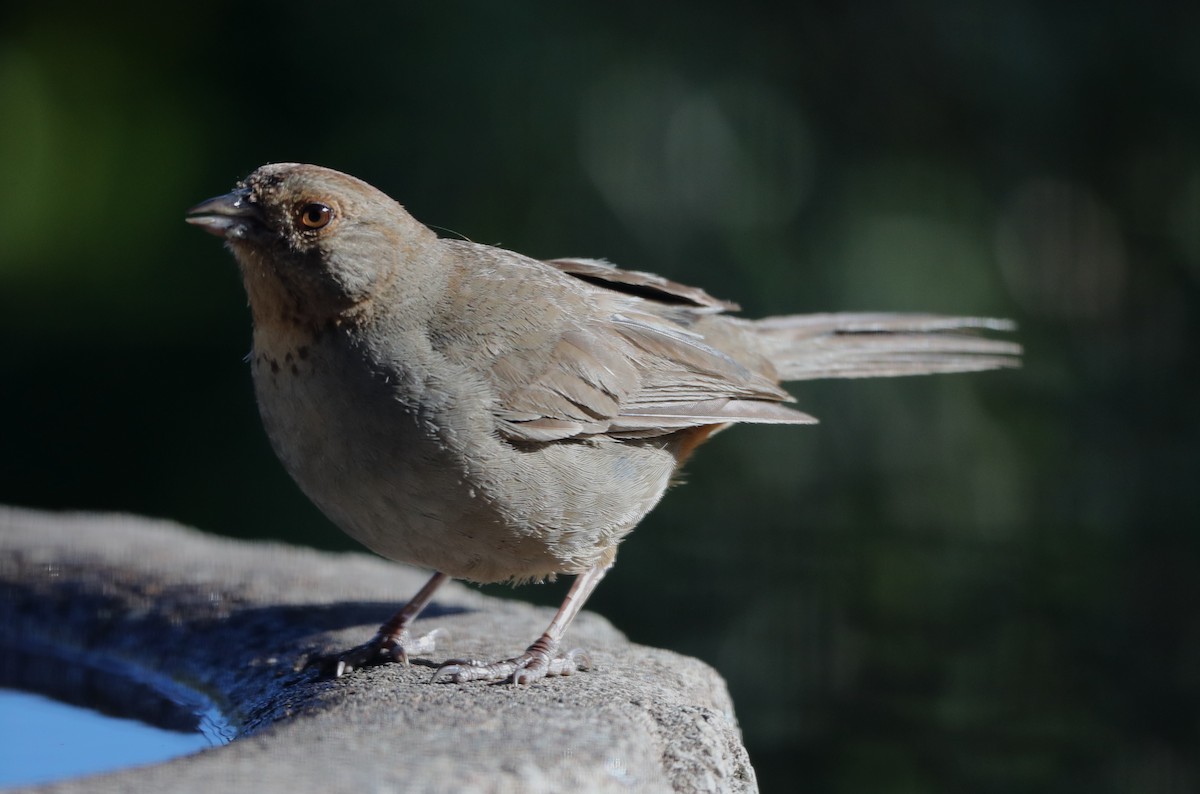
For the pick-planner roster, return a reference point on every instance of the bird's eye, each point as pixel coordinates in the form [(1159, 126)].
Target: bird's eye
[(315, 215)]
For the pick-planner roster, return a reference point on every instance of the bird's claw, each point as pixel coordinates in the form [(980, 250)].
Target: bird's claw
[(382, 649), (525, 669)]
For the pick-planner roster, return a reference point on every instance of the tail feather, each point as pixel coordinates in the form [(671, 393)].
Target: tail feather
[(810, 346)]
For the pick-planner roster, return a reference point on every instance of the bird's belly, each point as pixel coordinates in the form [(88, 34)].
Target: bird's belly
[(441, 490)]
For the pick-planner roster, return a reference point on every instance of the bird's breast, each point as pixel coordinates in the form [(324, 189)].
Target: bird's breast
[(420, 475), (354, 446)]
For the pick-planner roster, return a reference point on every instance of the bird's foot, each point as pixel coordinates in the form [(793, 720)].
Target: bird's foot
[(382, 649), (539, 661)]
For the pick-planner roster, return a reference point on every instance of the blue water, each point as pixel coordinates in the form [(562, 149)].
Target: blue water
[(43, 740)]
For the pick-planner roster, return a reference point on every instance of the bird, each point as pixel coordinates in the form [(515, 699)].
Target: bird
[(494, 417)]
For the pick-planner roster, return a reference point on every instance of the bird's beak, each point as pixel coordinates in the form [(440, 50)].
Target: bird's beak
[(231, 216)]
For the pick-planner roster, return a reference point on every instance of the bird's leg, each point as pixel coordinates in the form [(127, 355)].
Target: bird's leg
[(540, 659), (392, 643)]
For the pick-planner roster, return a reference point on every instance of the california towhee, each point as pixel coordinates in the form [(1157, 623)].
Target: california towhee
[(499, 418)]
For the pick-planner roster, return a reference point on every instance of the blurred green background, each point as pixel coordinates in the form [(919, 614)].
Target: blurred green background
[(971, 583)]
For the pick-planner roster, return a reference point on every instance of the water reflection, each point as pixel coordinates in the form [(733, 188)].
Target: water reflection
[(47, 740), (63, 718)]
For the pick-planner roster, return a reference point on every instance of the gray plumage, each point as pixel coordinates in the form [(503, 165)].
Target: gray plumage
[(495, 417)]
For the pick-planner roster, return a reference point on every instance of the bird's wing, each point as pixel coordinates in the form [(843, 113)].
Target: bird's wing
[(630, 368)]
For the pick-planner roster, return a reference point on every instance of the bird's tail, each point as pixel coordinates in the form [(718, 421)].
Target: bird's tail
[(810, 346)]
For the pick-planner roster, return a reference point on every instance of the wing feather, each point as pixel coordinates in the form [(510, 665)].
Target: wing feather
[(632, 367)]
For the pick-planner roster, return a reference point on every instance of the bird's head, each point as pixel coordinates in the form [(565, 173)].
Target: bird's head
[(311, 241)]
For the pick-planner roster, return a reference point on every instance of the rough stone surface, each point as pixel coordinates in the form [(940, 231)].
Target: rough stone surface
[(235, 620)]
